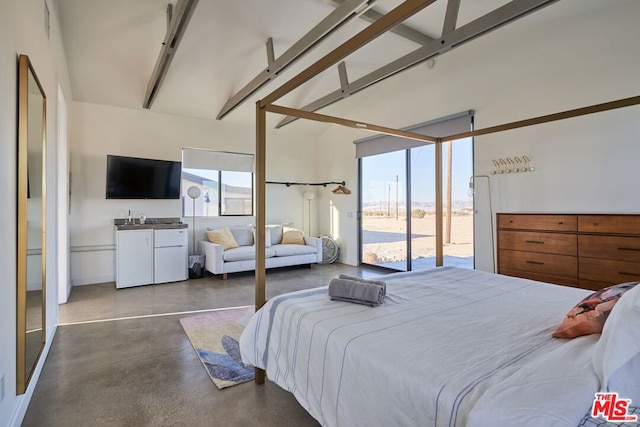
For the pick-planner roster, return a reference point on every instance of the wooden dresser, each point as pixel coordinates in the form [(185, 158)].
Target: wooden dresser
[(589, 251)]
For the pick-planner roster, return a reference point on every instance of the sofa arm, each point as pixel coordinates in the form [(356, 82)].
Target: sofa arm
[(213, 252), (316, 242)]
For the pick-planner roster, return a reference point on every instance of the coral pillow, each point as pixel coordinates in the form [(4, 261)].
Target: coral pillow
[(293, 237), (589, 315), (222, 237)]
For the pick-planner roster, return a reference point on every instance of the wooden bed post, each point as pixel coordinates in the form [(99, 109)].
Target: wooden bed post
[(261, 222)]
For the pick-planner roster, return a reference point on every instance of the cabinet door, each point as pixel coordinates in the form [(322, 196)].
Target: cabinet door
[(170, 264), (134, 258)]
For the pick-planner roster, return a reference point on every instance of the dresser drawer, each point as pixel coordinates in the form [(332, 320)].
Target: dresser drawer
[(532, 241), (609, 247), (609, 224), (538, 222), (608, 271), (548, 264), (541, 277), (594, 286)]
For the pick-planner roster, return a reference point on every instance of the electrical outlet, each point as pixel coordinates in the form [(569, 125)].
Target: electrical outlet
[(1, 387)]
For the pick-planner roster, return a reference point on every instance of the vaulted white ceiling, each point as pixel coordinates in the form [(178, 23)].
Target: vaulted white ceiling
[(112, 47)]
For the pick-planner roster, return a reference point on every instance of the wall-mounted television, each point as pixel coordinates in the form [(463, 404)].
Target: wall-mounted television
[(136, 178)]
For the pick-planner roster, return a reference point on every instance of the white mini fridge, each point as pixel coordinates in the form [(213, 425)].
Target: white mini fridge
[(171, 253)]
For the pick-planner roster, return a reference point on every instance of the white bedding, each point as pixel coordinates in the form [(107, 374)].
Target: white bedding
[(448, 347)]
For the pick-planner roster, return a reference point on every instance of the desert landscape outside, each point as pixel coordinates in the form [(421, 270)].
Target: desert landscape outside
[(389, 179)]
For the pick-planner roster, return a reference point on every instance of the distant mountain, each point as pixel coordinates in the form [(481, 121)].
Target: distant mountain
[(427, 206)]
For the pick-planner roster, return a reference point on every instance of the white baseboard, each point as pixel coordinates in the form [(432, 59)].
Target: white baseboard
[(25, 399), (93, 280)]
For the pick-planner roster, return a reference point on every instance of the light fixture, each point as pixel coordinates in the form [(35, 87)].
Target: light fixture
[(193, 192), (308, 196)]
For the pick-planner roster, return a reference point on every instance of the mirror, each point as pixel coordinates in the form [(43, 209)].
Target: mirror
[(31, 222)]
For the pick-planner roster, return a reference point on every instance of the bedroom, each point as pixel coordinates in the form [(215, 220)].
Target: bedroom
[(548, 66)]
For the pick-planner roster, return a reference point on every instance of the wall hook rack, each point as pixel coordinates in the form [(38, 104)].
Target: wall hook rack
[(512, 164)]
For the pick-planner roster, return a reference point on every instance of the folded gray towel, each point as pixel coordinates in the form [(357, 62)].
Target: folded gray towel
[(360, 279), (357, 292)]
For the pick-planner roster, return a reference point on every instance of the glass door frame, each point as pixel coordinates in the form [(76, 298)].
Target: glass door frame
[(439, 208)]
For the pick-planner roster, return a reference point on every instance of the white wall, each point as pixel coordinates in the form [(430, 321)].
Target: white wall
[(526, 69), (22, 32), (98, 130)]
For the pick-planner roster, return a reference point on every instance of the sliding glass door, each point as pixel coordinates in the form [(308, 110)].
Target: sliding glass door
[(383, 210), (457, 207), (423, 207), (399, 199)]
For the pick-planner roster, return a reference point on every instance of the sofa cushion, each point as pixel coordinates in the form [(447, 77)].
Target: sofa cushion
[(276, 233), (243, 235), (245, 253), (289, 250)]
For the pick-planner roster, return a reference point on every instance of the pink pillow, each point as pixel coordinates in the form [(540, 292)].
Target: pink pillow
[(589, 315)]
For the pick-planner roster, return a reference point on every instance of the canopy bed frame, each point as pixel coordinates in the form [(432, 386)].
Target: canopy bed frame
[(384, 24)]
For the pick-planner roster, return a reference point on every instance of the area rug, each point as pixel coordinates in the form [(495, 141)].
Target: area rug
[(214, 337)]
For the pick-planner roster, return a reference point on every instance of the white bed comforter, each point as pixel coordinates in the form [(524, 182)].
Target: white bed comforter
[(449, 347)]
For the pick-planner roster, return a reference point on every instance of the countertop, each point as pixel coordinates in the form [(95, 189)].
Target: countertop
[(150, 223)]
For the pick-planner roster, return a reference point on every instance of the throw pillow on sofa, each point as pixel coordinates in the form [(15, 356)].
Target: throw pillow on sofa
[(267, 235), (293, 237), (222, 237)]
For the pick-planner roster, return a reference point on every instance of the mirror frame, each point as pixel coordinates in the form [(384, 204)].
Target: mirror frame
[(24, 372)]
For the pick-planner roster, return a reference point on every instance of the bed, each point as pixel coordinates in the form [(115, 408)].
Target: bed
[(448, 347)]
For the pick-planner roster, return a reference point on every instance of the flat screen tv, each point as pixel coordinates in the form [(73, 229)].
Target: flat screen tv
[(136, 178)]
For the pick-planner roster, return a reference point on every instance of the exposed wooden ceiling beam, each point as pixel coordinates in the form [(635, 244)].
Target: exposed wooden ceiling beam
[(597, 108), (451, 16), (178, 17), (348, 10), (394, 17), (272, 108), (492, 20), (402, 30)]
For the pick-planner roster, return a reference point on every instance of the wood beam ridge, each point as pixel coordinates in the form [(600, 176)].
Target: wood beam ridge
[(300, 48), (449, 41), (403, 30), (385, 23), (272, 108), (179, 20)]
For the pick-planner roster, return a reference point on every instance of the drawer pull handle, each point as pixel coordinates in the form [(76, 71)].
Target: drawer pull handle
[(624, 273), (535, 241), (535, 262), (629, 249)]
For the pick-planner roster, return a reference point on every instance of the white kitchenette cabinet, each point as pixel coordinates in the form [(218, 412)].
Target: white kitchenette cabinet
[(134, 257), (170, 255), (150, 255)]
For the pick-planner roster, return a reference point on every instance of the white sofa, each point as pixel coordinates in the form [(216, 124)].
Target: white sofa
[(220, 262)]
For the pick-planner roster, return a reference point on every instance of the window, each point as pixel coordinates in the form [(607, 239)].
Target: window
[(225, 181)]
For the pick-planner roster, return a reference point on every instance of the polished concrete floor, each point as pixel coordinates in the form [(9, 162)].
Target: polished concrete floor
[(121, 358)]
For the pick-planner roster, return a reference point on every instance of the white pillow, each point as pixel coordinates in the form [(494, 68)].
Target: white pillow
[(267, 236), (616, 356)]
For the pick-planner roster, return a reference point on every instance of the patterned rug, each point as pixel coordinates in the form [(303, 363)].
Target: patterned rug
[(214, 337)]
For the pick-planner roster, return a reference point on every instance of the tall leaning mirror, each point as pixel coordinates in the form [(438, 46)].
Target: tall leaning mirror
[(32, 119)]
